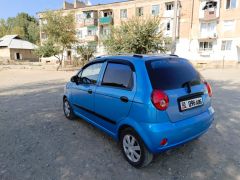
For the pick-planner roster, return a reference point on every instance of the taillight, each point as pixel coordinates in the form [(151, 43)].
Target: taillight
[(209, 89), (160, 100)]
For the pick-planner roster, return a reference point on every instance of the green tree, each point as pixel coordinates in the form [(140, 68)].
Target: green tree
[(138, 36), (33, 32), (48, 49), (86, 52), (60, 30), (23, 24), (3, 27)]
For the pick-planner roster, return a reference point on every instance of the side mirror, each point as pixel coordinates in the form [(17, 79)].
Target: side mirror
[(75, 79)]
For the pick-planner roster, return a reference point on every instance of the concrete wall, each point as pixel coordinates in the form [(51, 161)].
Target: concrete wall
[(25, 54), (4, 54)]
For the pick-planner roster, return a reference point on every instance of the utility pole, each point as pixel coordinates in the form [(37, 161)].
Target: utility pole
[(175, 27)]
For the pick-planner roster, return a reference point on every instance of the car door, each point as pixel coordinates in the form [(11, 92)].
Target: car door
[(115, 93), (83, 92)]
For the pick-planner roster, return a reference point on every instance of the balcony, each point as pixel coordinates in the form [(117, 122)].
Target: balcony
[(209, 10), (90, 22), (106, 20), (90, 38), (208, 35), (209, 14)]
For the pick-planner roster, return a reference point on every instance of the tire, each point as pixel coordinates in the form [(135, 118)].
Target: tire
[(67, 109), (134, 149)]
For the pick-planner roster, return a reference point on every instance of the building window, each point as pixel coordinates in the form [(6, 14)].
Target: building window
[(208, 28), (205, 46), (140, 11), (44, 36), (155, 10), (79, 33), (168, 26), (230, 4), (106, 31), (78, 17), (107, 14), (226, 45), (123, 13), (89, 15), (228, 25), (91, 32), (169, 6)]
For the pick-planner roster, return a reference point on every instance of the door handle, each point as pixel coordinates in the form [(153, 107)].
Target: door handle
[(90, 91), (124, 99)]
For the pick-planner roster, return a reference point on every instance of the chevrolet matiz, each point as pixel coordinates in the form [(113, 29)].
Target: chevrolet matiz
[(147, 103)]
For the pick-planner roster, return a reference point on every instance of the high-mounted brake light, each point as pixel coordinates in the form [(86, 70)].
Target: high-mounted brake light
[(209, 88), (160, 100)]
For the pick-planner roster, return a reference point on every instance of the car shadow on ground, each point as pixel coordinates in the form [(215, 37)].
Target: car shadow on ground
[(37, 142)]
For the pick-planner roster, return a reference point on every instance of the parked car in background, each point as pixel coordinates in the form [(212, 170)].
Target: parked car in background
[(147, 103)]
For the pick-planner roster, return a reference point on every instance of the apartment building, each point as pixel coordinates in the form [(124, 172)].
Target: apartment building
[(213, 32), (207, 30)]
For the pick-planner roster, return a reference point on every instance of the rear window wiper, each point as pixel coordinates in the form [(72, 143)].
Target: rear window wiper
[(188, 85)]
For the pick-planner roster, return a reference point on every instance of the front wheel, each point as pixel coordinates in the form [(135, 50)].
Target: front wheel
[(134, 149), (68, 110)]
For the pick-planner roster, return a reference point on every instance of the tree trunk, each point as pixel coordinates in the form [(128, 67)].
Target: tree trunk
[(60, 61), (60, 64)]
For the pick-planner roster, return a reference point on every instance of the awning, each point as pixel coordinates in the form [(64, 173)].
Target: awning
[(92, 27)]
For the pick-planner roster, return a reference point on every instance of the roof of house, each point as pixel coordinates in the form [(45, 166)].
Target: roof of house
[(15, 42)]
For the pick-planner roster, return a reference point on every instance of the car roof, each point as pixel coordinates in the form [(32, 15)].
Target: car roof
[(135, 57)]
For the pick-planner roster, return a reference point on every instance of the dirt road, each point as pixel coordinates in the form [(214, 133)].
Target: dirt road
[(37, 142)]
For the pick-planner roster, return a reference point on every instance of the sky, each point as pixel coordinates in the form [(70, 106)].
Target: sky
[(10, 8)]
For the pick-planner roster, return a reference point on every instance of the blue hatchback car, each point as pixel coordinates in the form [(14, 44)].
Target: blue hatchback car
[(148, 103)]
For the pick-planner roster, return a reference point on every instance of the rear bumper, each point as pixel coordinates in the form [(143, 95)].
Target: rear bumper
[(176, 133)]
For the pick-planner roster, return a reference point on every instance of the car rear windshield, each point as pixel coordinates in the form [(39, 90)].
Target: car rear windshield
[(172, 73)]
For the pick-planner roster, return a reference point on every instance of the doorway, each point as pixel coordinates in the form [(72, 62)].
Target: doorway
[(69, 55), (18, 56)]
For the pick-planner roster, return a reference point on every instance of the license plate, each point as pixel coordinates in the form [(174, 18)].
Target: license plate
[(191, 103)]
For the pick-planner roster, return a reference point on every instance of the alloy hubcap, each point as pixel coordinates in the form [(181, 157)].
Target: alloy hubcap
[(131, 148), (66, 108)]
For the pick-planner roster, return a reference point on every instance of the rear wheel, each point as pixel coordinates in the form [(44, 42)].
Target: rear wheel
[(68, 110), (134, 149)]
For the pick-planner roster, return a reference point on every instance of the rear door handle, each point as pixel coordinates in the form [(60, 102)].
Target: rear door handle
[(90, 91), (124, 99)]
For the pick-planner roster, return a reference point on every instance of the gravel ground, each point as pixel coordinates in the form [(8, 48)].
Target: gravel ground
[(37, 142)]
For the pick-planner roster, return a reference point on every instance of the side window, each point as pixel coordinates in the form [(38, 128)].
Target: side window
[(118, 75), (90, 74)]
